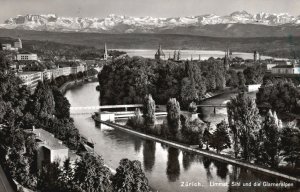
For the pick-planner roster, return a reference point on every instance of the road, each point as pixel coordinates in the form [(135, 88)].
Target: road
[(4, 184)]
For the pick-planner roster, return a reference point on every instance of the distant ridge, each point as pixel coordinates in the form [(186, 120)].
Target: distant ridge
[(239, 23)]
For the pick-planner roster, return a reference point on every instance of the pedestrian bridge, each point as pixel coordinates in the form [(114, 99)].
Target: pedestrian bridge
[(92, 109)]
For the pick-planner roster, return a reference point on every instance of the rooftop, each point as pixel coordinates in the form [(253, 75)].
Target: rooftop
[(48, 139)]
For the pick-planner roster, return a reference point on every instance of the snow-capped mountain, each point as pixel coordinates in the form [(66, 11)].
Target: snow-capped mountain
[(126, 24)]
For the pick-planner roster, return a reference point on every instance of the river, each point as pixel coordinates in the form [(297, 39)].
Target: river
[(166, 168)]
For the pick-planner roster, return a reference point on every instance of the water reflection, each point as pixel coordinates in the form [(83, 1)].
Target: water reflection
[(188, 158), (149, 154), (222, 170), (173, 167), (206, 163), (137, 145)]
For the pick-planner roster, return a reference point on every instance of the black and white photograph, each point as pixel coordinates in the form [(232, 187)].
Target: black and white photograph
[(149, 96)]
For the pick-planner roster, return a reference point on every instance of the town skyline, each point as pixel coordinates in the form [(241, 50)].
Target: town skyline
[(137, 8)]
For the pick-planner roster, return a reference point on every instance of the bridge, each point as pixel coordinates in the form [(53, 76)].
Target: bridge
[(92, 109)]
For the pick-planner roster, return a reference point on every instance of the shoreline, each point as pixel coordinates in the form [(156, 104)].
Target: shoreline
[(202, 152)]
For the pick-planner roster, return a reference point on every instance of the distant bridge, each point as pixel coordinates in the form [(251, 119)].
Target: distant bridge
[(92, 109)]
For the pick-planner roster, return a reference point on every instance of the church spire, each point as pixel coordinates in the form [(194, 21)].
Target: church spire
[(105, 56)]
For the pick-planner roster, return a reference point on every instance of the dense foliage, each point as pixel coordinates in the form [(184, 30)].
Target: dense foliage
[(130, 177), (244, 122), (220, 139), (279, 95), (128, 80)]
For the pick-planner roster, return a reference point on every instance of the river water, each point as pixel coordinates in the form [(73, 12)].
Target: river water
[(167, 169)]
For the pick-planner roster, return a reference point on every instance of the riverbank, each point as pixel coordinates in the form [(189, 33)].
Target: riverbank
[(203, 152), (72, 84)]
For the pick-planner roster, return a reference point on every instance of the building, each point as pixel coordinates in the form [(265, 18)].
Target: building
[(18, 44), (27, 57), (256, 56), (286, 69), (177, 55), (227, 58), (51, 149), (31, 78), (105, 56), (270, 66), (159, 55)]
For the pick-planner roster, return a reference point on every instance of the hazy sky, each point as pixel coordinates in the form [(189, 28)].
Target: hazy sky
[(156, 8)]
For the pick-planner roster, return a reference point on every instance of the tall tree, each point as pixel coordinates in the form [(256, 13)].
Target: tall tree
[(241, 79), (173, 116), (149, 111), (42, 105), (244, 121), (270, 137), (91, 174), (130, 177), (290, 143), (220, 139), (62, 105)]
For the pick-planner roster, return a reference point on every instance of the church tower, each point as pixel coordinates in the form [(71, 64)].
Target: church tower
[(226, 59), (159, 54), (105, 56)]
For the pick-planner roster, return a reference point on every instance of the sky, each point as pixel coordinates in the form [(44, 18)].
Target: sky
[(155, 8)]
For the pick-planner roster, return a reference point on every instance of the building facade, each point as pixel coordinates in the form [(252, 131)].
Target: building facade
[(27, 57), (51, 149), (31, 78), (286, 69)]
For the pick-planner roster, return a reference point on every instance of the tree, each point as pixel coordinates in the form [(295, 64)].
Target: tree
[(42, 105), (130, 177), (67, 175), (270, 139), (188, 92), (91, 174), (241, 79), (49, 178), (282, 96), (254, 75), (149, 111), (206, 136), (290, 144), (62, 105), (244, 122), (137, 121), (220, 138), (173, 116)]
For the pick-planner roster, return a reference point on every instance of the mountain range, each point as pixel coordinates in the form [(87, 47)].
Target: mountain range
[(237, 24)]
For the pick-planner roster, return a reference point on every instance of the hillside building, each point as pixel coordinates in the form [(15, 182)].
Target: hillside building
[(51, 149), (31, 78), (27, 57)]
